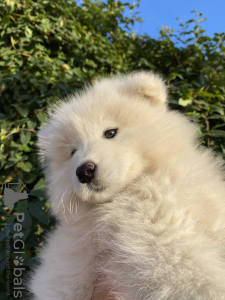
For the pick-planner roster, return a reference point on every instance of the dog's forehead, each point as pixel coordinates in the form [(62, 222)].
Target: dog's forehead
[(87, 118), (94, 111)]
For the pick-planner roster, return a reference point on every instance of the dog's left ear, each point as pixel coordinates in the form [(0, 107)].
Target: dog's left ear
[(146, 85)]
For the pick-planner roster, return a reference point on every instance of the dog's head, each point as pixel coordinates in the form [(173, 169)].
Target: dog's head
[(102, 139)]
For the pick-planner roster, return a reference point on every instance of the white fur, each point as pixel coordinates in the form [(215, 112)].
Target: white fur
[(157, 229)]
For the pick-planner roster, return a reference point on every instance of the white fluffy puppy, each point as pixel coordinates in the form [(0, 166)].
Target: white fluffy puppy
[(141, 208)]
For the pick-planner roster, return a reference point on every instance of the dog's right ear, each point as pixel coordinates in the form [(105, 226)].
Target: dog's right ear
[(145, 85)]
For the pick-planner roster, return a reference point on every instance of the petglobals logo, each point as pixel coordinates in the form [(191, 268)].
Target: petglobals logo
[(18, 251), (11, 197), (12, 194)]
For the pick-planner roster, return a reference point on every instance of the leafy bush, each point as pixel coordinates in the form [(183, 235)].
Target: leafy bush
[(51, 48)]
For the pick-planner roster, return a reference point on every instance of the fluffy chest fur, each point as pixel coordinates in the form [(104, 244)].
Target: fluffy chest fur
[(149, 243)]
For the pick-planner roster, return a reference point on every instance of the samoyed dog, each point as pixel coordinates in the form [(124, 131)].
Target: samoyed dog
[(141, 209)]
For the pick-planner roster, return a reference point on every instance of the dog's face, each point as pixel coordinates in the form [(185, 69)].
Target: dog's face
[(98, 142), (102, 158)]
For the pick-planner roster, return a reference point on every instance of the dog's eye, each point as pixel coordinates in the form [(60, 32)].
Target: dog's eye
[(72, 152), (109, 134)]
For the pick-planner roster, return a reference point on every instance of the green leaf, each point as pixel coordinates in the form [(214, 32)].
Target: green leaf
[(39, 189), (36, 210), (217, 133), (21, 206), (31, 124), (25, 166), (24, 148), (184, 103), (42, 116), (173, 76), (28, 32), (218, 109), (27, 223), (23, 111), (25, 137)]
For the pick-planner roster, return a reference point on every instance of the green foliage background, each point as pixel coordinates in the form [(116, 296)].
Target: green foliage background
[(51, 48)]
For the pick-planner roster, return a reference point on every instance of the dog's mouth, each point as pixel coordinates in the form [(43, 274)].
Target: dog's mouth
[(96, 187)]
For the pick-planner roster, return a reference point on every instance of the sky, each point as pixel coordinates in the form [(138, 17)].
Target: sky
[(156, 13)]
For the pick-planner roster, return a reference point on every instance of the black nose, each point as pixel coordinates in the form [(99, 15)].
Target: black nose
[(85, 172)]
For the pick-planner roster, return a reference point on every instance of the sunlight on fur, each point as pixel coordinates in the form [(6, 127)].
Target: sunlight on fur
[(141, 208)]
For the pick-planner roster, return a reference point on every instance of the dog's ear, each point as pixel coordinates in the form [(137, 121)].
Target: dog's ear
[(145, 85)]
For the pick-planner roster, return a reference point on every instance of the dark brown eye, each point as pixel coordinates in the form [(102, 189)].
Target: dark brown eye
[(109, 134), (72, 152)]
